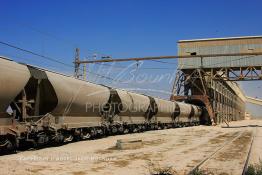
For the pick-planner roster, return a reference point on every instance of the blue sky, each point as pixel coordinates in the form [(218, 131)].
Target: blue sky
[(123, 28)]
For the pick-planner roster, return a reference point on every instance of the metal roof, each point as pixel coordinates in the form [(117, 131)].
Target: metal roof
[(216, 39)]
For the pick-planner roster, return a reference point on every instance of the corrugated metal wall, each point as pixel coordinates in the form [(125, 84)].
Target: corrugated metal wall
[(220, 46)]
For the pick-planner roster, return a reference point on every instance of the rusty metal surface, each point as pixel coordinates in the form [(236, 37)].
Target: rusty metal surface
[(13, 79), (204, 99), (238, 74), (197, 110), (223, 100)]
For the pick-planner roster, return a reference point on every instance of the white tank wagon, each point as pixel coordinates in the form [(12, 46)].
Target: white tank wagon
[(79, 103), (188, 114), (49, 107), (166, 109), (13, 78), (134, 106), (9, 88), (181, 114)]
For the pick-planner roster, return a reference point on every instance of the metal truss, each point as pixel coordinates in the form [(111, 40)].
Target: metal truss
[(192, 87), (237, 74), (201, 86)]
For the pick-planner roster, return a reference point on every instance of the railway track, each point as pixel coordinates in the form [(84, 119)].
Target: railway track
[(249, 152), (222, 149)]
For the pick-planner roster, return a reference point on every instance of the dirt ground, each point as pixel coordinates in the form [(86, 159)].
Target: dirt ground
[(180, 148)]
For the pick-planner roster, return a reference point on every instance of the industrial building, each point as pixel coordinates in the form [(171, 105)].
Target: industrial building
[(210, 81)]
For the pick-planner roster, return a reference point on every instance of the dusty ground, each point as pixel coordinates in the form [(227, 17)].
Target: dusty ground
[(181, 148)]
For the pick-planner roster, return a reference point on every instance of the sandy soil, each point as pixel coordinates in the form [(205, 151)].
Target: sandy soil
[(181, 148)]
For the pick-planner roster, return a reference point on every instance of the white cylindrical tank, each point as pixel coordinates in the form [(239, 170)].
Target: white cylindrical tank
[(165, 110), (77, 97), (13, 78), (185, 110), (134, 105)]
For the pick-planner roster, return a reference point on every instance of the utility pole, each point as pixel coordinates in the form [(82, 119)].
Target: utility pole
[(77, 63)]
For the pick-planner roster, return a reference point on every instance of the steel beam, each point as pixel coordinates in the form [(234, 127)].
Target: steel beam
[(167, 57), (240, 74), (254, 100)]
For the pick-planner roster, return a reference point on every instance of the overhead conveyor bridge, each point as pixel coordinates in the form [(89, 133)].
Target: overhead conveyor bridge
[(255, 101)]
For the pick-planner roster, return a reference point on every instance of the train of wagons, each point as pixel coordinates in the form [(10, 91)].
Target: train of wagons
[(39, 107)]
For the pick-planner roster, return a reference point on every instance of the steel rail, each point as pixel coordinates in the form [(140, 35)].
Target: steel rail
[(249, 153), (197, 167), (169, 57)]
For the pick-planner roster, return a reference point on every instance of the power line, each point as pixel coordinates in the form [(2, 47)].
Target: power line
[(171, 57), (143, 68), (54, 60), (75, 44), (56, 37), (99, 75), (48, 34), (163, 62), (33, 53), (50, 59)]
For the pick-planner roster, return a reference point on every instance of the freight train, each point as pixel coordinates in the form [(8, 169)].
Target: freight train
[(39, 107)]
